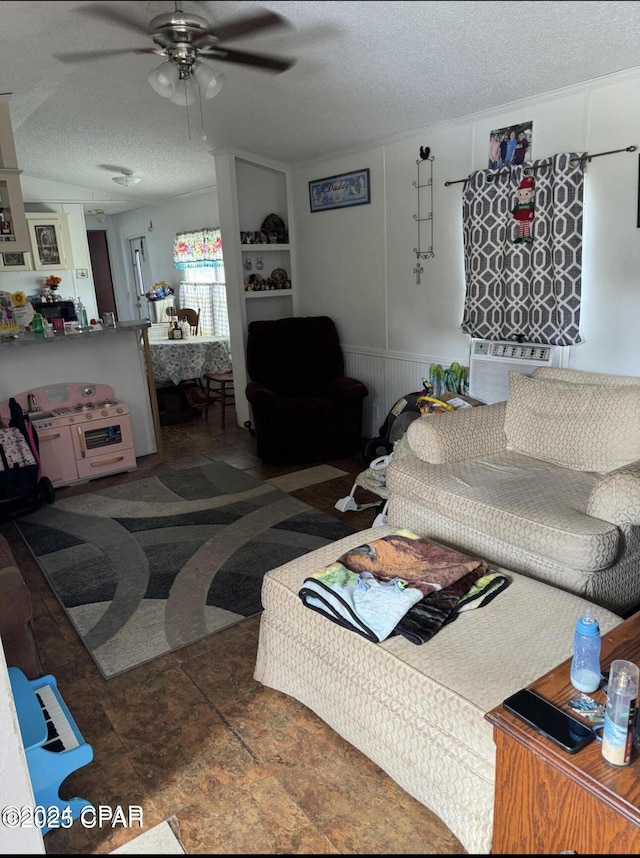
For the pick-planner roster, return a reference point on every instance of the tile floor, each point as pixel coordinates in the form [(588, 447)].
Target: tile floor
[(245, 769)]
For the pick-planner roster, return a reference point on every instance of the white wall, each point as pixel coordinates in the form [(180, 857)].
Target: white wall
[(159, 225), (357, 263)]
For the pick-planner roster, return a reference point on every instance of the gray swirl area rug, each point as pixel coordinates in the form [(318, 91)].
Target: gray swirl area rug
[(150, 566)]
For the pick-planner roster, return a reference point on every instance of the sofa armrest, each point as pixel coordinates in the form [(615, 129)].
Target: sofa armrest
[(467, 433), (616, 498)]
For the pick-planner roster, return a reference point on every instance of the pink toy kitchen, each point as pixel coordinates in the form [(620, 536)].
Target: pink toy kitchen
[(83, 429)]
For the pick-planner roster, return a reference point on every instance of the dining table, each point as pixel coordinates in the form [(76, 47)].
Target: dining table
[(187, 359)]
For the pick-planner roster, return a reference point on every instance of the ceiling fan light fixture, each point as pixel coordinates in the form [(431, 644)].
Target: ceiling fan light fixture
[(164, 78), (126, 179), (209, 81), (184, 93)]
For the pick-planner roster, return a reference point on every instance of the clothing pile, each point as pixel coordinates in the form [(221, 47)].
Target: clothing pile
[(400, 584)]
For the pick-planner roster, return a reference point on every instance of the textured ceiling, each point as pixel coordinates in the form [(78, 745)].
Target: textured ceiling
[(364, 72)]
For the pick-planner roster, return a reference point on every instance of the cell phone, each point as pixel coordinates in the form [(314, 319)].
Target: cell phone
[(547, 718)]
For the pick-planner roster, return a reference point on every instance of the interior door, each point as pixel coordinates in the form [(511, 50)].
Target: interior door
[(101, 268), (141, 275)]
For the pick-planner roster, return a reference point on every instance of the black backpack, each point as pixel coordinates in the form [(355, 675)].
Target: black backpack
[(402, 413)]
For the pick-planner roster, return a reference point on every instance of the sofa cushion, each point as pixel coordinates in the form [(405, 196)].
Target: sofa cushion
[(580, 426), (516, 499)]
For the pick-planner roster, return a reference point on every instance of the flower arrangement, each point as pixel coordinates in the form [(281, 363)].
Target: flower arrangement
[(16, 312), (53, 282), (18, 299), (159, 290)]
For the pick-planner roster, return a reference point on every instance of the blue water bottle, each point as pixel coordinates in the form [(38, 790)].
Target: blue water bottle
[(585, 664)]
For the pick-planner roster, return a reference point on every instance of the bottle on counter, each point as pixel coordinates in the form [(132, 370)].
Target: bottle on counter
[(185, 327), (37, 325), (619, 714), (176, 333), (81, 313), (585, 664)]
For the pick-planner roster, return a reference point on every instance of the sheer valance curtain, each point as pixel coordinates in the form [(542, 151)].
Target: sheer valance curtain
[(519, 285)]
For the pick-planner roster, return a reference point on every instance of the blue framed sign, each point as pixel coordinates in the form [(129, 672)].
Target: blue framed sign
[(337, 192)]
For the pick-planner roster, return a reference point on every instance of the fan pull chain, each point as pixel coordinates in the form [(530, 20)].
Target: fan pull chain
[(203, 133)]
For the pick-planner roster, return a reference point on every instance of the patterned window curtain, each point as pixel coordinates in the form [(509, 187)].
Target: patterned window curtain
[(211, 299), (523, 262), (198, 249)]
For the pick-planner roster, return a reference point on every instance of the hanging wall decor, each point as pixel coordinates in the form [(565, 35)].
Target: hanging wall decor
[(424, 215), (336, 192)]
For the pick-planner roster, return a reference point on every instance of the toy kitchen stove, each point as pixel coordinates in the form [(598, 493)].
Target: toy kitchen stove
[(84, 432)]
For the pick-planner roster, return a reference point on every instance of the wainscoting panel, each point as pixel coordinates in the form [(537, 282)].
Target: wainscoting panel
[(388, 377)]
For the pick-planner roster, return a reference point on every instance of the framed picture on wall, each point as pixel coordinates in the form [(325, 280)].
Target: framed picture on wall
[(14, 261), (336, 192), (511, 145)]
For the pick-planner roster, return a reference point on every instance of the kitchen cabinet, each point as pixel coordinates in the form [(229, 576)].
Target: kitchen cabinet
[(14, 236), (50, 241)]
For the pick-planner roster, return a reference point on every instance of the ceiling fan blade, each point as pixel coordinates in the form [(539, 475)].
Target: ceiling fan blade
[(82, 56), (114, 16), (262, 61), (247, 26)]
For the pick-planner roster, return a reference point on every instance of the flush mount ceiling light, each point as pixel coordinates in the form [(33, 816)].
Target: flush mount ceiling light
[(126, 179), (99, 214)]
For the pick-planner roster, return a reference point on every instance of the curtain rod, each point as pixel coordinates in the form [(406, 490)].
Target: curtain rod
[(585, 157)]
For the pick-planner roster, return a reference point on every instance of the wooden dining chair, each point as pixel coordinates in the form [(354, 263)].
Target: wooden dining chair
[(192, 316)]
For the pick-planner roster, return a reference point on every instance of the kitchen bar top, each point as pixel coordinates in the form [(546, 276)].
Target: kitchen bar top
[(28, 338)]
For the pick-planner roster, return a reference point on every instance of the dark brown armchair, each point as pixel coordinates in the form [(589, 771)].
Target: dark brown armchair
[(304, 408)]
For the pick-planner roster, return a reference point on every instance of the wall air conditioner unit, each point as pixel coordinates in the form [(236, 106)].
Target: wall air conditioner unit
[(492, 360)]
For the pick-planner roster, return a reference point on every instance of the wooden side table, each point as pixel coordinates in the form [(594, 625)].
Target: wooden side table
[(218, 393), (548, 801)]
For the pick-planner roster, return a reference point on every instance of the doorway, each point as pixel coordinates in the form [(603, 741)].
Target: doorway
[(101, 269), (141, 274)]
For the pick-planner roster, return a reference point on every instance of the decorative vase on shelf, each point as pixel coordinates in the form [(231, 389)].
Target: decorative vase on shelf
[(51, 285)]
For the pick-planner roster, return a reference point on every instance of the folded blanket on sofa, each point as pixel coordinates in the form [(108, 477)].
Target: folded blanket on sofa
[(426, 617), (359, 603), (403, 554)]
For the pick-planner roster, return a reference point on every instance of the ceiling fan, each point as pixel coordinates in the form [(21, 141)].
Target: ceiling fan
[(185, 40)]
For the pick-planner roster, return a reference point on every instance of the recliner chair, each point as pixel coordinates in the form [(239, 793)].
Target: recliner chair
[(304, 408)]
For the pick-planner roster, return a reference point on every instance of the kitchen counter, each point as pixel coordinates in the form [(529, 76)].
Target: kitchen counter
[(113, 356), (30, 339)]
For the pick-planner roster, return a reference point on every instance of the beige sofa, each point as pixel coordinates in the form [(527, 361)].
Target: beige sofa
[(546, 483)]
